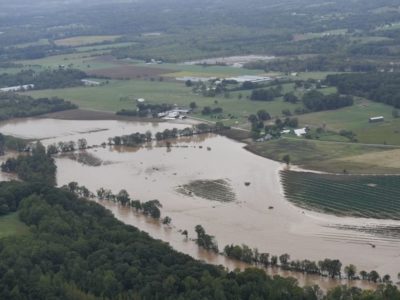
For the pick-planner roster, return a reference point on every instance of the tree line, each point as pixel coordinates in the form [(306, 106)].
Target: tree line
[(46, 79), (145, 110), (266, 94), (378, 87), (83, 252), (149, 208), (137, 139), (316, 101), (13, 105), (327, 267), (35, 166)]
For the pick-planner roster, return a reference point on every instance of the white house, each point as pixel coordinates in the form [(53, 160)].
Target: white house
[(300, 131), (88, 82), (376, 119), (18, 88)]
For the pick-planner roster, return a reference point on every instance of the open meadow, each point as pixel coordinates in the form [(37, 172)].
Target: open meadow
[(333, 157), (77, 41)]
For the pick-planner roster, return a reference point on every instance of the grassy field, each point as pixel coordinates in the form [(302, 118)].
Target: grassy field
[(41, 42), (83, 61), (345, 195), (108, 98), (313, 35), (331, 156), (236, 111), (355, 118), (85, 40), (103, 47), (350, 118), (11, 225), (209, 71)]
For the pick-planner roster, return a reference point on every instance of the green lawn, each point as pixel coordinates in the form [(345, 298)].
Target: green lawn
[(11, 225)]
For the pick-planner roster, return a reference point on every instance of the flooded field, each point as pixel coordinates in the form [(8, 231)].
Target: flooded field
[(253, 211)]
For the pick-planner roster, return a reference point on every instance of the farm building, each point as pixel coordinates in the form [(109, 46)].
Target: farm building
[(88, 82), (264, 138), (300, 132), (174, 114), (195, 79), (249, 78), (376, 119), (18, 88)]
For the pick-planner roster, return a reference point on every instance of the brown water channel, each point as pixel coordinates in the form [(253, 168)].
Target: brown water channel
[(257, 214)]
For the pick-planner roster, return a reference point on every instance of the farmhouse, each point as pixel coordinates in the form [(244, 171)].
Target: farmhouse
[(174, 114), (18, 88), (376, 119), (300, 132), (264, 138), (249, 78), (88, 82)]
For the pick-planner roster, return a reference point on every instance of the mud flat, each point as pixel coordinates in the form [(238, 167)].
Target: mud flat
[(258, 217)]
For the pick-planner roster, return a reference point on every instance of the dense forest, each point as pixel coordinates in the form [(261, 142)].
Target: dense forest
[(193, 29), (47, 79), (317, 101), (76, 249), (36, 166), (13, 105), (379, 87)]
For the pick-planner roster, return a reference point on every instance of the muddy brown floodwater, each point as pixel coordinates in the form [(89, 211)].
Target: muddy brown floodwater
[(258, 215)]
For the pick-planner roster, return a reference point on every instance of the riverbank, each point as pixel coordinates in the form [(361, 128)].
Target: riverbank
[(260, 217)]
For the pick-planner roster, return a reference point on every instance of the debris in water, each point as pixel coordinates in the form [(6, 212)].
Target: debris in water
[(247, 183)]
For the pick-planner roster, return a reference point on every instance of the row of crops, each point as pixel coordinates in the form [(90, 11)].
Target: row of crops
[(344, 195), (215, 190)]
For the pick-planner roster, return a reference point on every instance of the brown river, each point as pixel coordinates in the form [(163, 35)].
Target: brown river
[(253, 211)]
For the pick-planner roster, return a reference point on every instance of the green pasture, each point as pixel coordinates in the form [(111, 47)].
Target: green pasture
[(334, 157), (85, 40), (83, 61), (317, 35), (349, 118), (356, 119), (108, 98)]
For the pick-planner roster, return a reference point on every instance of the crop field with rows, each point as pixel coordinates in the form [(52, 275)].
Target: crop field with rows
[(344, 195)]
